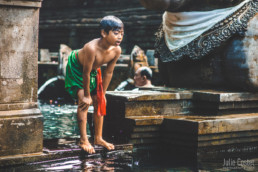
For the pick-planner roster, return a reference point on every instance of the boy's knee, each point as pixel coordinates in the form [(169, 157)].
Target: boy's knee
[(81, 119), (80, 94)]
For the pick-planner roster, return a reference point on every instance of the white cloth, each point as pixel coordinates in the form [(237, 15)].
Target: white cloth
[(183, 27)]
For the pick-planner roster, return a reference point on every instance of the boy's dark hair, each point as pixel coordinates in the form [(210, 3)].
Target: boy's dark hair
[(111, 23), (147, 72)]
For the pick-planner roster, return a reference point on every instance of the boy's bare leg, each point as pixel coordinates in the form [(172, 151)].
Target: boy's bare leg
[(98, 126), (82, 124)]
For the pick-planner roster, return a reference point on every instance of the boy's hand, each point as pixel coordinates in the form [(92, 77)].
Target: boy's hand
[(85, 103)]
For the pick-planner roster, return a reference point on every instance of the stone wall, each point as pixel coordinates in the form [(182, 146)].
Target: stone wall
[(76, 22)]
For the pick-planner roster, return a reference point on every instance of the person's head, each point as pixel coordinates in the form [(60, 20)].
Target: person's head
[(142, 77), (112, 29)]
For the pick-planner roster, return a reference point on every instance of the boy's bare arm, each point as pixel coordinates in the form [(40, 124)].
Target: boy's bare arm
[(88, 59), (109, 71)]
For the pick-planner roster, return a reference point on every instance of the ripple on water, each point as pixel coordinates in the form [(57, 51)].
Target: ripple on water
[(59, 120)]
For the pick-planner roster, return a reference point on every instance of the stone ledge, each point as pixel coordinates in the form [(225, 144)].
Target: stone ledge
[(147, 103), (146, 120), (224, 96), (201, 131), (21, 3), (144, 95), (165, 101), (214, 102), (212, 124), (20, 159), (19, 113), (18, 106)]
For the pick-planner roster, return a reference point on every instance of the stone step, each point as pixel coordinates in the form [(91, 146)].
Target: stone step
[(147, 128), (210, 102), (224, 96), (201, 131), (208, 137), (146, 120), (184, 139), (215, 102), (145, 135), (180, 102), (135, 130), (212, 124), (146, 103), (144, 141), (173, 117)]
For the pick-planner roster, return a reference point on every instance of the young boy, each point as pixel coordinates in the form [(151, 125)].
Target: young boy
[(83, 78)]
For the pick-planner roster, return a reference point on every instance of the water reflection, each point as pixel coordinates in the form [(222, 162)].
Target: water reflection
[(114, 161), (60, 120), (119, 160)]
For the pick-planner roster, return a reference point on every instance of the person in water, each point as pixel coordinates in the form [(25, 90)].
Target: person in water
[(84, 82), (142, 77)]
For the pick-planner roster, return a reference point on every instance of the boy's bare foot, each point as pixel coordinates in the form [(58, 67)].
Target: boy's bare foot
[(105, 144), (86, 146)]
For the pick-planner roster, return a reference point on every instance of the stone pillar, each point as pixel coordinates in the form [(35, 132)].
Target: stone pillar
[(21, 123)]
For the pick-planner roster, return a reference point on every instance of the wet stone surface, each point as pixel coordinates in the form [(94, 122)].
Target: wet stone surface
[(140, 160)]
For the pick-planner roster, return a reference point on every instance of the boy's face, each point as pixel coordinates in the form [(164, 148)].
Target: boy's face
[(115, 37)]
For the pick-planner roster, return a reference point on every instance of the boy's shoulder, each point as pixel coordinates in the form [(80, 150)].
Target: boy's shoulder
[(92, 46), (117, 49)]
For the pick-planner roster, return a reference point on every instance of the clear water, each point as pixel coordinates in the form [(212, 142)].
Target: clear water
[(60, 120)]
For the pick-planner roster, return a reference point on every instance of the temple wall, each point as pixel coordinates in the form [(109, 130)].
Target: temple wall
[(76, 22)]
